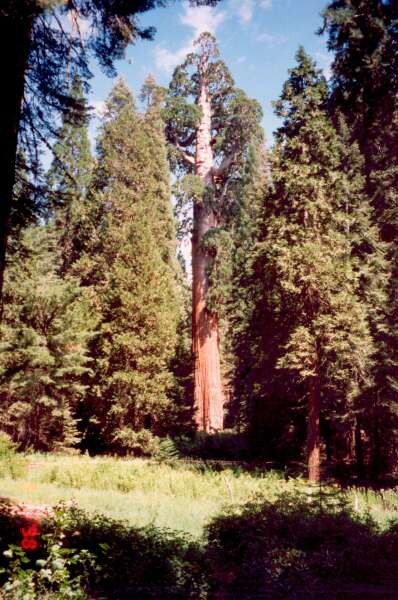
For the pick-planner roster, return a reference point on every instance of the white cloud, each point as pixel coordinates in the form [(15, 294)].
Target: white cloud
[(202, 18), (245, 11), (76, 24), (84, 26), (270, 39), (198, 18), (166, 60), (99, 107), (241, 60)]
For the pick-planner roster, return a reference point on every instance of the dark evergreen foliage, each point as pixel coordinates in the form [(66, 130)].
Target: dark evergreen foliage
[(364, 38), (130, 266)]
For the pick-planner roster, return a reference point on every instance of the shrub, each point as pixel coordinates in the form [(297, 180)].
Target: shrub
[(85, 556), (43, 572), (294, 546), (167, 449), (137, 443), (10, 533), (301, 546), (12, 464)]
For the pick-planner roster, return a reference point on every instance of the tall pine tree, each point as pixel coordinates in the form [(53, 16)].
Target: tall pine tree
[(364, 38), (130, 264), (69, 178), (241, 336), (311, 280), (44, 353)]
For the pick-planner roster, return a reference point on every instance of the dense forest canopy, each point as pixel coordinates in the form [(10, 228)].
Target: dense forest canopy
[(282, 328)]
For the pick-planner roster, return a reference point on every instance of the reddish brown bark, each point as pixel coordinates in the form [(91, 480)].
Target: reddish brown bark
[(208, 389), (313, 430)]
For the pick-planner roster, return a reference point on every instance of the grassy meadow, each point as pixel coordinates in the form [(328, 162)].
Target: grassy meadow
[(177, 495)]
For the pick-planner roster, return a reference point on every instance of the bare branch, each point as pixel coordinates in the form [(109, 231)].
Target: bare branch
[(37, 134), (67, 37), (224, 189), (187, 157), (74, 17)]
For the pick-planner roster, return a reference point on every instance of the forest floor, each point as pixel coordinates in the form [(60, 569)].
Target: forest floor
[(177, 496)]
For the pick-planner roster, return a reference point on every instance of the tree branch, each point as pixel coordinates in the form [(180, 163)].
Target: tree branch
[(74, 17), (188, 140), (187, 157), (226, 163)]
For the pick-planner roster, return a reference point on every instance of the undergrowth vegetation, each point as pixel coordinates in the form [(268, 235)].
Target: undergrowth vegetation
[(176, 494), (200, 530), (300, 545), (12, 464)]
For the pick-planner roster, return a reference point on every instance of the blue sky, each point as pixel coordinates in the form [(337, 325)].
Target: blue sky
[(257, 38)]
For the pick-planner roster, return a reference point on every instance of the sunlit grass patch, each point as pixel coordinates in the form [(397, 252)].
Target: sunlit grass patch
[(179, 496)]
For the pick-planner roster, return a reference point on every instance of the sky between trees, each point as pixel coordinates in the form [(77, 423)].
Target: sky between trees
[(257, 38)]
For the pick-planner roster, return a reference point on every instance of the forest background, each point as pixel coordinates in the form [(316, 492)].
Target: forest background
[(296, 243), (269, 353)]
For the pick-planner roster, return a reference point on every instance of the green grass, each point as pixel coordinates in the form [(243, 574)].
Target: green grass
[(176, 496)]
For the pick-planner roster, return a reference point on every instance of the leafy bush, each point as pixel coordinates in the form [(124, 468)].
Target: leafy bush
[(47, 578), (10, 525), (11, 463), (153, 561), (296, 545), (85, 556), (300, 546), (137, 443)]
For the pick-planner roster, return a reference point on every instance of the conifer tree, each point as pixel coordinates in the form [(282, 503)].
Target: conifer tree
[(310, 276), (241, 335), (48, 323), (363, 36), (130, 265), (209, 124), (69, 178)]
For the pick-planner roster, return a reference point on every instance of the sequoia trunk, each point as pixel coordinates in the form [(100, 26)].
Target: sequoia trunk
[(14, 47), (208, 389)]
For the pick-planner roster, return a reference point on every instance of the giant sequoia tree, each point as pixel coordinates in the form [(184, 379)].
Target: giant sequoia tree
[(209, 123)]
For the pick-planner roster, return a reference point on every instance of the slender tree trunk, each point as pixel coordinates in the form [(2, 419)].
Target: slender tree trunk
[(14, 48), (208, 389), (313, 430), (359, 449)]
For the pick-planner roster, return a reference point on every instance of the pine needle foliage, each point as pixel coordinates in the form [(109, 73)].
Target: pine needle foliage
[(130, 264), (47, 326), (311, 289)]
